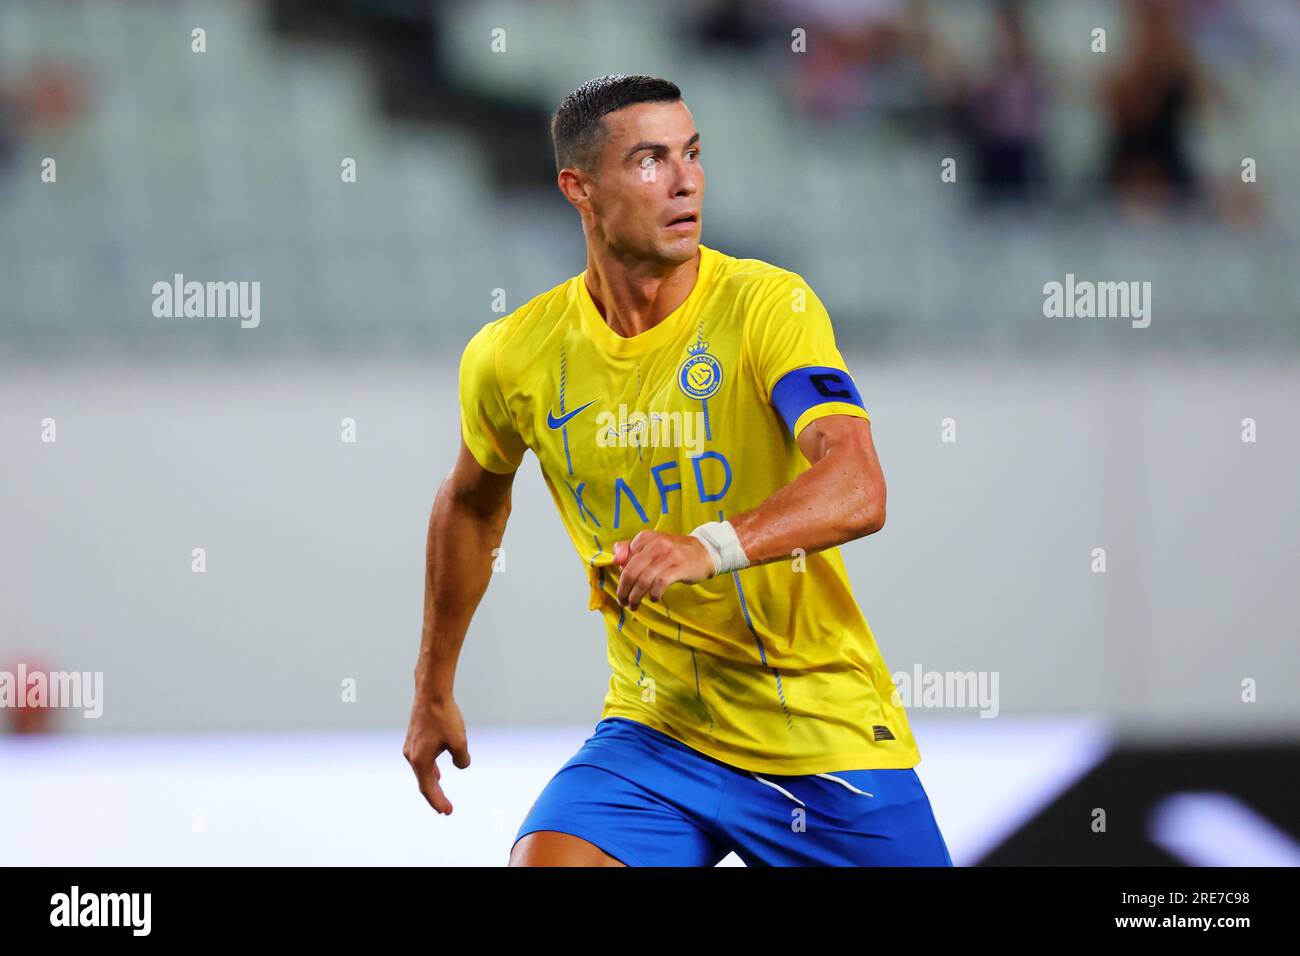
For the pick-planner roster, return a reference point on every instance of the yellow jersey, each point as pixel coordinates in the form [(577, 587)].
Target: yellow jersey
[(772, 668)]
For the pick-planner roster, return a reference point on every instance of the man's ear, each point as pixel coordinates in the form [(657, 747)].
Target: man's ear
[(573, 185)]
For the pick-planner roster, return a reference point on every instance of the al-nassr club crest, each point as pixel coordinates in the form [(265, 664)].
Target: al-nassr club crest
[(701, 374)]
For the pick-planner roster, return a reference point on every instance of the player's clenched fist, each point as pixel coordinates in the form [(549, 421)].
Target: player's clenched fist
[(653, 560)]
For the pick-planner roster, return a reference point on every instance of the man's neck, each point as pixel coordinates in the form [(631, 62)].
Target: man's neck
[(633, 297)]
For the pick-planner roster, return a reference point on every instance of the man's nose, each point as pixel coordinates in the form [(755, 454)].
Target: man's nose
[(686, 182)]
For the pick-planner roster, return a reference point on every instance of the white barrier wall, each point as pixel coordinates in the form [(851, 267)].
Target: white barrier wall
[(314, 546)]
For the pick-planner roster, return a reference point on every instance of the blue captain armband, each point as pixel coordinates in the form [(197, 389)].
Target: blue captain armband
[(806, 388)]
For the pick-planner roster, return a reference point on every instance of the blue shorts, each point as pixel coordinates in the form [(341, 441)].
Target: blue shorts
[(649, 800)]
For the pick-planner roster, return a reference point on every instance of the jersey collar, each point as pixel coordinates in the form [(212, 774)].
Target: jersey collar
[(609, 340)]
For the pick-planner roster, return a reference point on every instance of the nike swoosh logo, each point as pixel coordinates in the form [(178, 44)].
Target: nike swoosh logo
[(560, 422)]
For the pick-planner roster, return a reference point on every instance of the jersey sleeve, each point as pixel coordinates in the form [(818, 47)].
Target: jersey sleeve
[(792, 345), (485, 421)]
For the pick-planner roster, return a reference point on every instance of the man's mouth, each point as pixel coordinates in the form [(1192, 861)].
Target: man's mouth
[(685, 221)]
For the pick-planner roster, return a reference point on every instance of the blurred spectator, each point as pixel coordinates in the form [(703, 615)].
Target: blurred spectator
[(21, 718), (8, 131), (44, 98), (740, 25), (1002, 115), (1150, 102), (851, 44)]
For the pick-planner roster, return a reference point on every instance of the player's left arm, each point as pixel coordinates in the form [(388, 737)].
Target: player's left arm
[(839, 498)]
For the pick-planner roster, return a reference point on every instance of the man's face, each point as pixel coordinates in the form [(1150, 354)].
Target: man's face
[(648, 179)]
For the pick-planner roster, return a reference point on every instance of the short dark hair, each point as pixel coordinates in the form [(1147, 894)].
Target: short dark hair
[(577, 129)]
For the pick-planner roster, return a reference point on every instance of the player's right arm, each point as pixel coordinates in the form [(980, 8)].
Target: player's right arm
[(466, 526)]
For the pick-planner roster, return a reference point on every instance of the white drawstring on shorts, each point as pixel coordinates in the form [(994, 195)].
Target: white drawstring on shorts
[(846, 784), (778, 787), (841, 782)]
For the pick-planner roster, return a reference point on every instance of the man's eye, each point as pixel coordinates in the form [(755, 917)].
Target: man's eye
[(696, 153), (650, 158)]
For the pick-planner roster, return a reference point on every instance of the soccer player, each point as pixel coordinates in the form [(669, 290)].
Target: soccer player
[(708, 452)]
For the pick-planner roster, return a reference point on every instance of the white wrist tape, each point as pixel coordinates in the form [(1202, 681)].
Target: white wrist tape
[(723, 545)]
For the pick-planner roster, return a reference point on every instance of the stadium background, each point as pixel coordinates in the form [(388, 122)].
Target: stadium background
[(226, 734)]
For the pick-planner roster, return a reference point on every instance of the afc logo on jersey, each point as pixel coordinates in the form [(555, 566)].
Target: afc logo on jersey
[(700, 376)]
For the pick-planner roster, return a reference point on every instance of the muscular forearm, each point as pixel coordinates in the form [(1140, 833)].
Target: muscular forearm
[(841, 497), (460, 545)]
